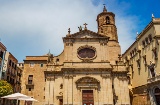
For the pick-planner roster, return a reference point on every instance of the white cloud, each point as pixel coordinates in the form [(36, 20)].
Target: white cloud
[(33, 27)]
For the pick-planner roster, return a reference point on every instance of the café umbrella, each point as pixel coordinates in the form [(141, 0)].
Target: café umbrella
[(16, 96)]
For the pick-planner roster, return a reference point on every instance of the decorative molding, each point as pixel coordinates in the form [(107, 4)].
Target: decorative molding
[(50, 78), (68, 76), (69, 41), (103, 42), (106, 75)]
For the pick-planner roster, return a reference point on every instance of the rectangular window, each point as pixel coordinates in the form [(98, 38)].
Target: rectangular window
[(29, 89), (30, 79), (138, 64), (147, 41), (10, 62), (143, 43), (150, 38), (31, 64), (41, 64), (1, 54)]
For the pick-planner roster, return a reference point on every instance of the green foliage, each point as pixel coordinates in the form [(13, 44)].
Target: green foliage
[(5, 88)]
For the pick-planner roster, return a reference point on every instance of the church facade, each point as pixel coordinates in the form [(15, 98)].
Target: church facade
[(89, 71)]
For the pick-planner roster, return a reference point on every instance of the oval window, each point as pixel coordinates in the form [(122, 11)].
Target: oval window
[(86, 53)]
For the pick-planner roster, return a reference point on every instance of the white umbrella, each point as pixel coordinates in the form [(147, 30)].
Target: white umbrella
[(16, 96), (28, 99)]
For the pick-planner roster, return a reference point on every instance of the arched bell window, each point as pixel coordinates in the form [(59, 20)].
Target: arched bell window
[(107, 20)]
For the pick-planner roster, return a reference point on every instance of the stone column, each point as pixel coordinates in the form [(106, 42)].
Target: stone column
[(121, 95), (51, 91), (78, 98), (126, 91), (110, 91), (104, 90), (70, 90), (117, 90), (47, 91), (65, 93)]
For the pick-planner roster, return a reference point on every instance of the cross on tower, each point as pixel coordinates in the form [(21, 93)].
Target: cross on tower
[(104, 9), (69, 30), (85, 26)]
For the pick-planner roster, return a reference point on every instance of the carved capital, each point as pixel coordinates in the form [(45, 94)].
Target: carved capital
[(105, 75), (50, 78), (122, 77), (68, 76)]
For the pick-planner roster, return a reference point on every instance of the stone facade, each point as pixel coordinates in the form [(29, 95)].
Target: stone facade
[(88, 72), (142, 60)]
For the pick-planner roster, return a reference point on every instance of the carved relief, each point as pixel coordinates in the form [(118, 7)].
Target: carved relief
[(87, 82)]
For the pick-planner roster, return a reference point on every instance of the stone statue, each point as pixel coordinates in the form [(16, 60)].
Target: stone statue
[(80, 28)]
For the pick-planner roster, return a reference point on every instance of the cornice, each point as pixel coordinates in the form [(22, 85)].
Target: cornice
[(84, 31)]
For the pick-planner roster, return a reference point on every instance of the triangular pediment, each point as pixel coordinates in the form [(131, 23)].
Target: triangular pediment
[(86, 34)]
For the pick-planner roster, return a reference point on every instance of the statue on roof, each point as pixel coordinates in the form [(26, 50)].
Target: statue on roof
[(80, 28), (50, 57)]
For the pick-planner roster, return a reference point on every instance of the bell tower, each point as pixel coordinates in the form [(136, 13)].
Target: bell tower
[(106, 24)]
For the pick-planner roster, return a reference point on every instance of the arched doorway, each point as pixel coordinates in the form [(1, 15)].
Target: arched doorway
[(157, 95), (87, 85)]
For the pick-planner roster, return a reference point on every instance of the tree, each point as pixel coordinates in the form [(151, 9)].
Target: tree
[(5, 88)]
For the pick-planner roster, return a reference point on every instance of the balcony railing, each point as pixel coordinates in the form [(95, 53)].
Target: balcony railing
[(153, 79)]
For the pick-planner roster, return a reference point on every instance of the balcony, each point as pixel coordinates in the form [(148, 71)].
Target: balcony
[(29, 83), (153, 79)]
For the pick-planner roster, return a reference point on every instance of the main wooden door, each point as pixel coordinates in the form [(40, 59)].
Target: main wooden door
[(87, 97), (157, 99), (60, 101)]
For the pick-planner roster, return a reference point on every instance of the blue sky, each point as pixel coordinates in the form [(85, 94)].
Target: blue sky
[(32, 27)]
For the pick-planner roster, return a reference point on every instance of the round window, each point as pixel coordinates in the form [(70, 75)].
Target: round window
[(86, 53)]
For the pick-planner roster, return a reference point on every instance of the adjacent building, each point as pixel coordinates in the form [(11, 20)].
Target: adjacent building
[(3, 50), (9, 70), (142, 60), (89, 71)]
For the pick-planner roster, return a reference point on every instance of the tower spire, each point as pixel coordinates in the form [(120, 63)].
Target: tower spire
[(104, 9)]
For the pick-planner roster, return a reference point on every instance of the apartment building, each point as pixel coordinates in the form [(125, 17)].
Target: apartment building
[(142, 60)]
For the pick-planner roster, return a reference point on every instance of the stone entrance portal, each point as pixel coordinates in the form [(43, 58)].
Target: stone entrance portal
[(87, 97)]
